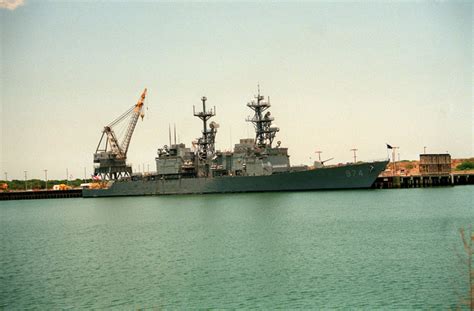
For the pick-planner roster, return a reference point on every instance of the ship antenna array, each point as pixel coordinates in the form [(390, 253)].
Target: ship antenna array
[(206, 143), (264, 132)]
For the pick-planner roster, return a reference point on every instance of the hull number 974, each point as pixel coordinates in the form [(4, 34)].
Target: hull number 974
[(354, 173)]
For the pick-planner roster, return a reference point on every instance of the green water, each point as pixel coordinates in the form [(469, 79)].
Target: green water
[(334, 249)]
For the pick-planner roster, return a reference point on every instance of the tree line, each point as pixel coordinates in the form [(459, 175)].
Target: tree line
[(465, 165)]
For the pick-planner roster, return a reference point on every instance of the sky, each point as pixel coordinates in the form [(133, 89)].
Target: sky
[(340, 75)]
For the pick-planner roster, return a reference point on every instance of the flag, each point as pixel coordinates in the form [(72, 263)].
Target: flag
[(388, 146)]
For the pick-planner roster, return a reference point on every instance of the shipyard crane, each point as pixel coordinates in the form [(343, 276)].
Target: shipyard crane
[(111, 152)]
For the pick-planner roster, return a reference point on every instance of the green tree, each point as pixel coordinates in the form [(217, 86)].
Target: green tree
[(466, 165)]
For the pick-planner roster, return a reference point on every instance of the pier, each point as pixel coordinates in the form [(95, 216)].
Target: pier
[(418, 181), (40, 194)]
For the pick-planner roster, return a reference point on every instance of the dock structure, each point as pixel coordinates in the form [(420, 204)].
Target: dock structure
[(423, 181), (41, 194), (435, 164), (433, 170)]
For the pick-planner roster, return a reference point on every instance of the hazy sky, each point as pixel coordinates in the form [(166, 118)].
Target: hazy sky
[(339, 75)]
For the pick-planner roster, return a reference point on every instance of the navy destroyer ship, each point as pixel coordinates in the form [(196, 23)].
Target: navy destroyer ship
[(254, 165)]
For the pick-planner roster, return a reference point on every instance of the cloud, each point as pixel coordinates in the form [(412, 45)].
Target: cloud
[(11, 4)]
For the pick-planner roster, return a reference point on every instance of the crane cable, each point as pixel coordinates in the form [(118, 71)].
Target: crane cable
[(123, 116)]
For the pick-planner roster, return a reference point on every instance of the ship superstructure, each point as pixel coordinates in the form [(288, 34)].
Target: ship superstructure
[(250, 157)]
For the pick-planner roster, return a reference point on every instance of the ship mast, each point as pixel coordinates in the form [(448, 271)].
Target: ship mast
[(264, 132), (206, 144)]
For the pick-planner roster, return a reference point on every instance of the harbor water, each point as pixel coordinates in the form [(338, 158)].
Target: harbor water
[(322, 249)]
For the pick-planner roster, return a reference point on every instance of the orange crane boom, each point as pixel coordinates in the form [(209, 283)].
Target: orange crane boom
[(137, 112)]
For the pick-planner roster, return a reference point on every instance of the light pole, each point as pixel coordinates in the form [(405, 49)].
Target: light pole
[(85, 175), (67, 176), (25, 180), (394, 163), (424, 149), (46, 178), (355, 155), (6, 176), (318, 152)]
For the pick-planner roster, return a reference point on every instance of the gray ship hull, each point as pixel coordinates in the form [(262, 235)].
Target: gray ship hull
[(354, 176)]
